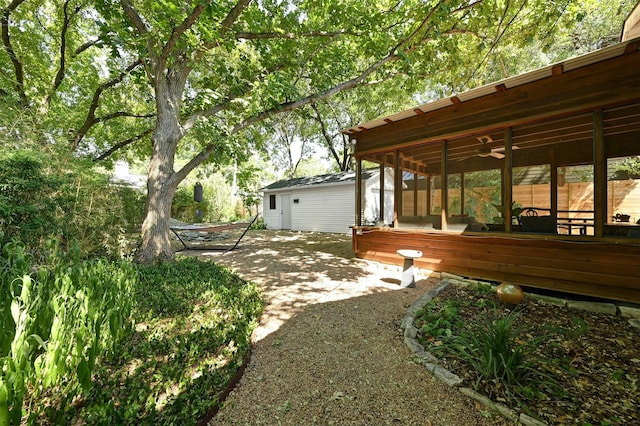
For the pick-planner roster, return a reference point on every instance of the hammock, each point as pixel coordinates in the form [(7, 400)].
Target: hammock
[(210, 229)]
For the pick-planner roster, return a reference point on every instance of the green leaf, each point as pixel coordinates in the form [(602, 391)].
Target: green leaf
[(84, 375)]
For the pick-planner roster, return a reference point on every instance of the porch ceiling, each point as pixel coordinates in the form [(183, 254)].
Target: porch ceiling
[(566, 140)]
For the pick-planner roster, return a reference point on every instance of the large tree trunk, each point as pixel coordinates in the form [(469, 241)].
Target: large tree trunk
[(155, 243)]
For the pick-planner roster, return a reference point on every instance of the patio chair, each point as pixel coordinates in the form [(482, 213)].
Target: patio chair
[(531, 222)]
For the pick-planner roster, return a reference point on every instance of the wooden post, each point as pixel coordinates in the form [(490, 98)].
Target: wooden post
[(445, 186), (397, 188), (428, 194), (381, 191), (554, 181), (415, 194), (358, 192), (462, 193), (507, 178), (599, 175)]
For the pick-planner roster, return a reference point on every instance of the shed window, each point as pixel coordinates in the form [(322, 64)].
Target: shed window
[(272, 202)]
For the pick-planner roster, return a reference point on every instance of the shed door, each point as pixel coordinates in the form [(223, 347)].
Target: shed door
[(285, 211)]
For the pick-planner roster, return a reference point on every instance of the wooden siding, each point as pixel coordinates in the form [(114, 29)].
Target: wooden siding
[(601, 269)]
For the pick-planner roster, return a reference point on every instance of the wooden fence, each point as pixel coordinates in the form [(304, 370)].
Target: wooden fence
[(623, 196)]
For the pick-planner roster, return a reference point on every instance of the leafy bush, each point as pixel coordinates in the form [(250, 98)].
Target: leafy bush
[(184, 207), (103, 218), (259, 224), (215, 206), (27, 206), (492, 347), (56, 323), (195, 321), (437, 319), (72, 202)]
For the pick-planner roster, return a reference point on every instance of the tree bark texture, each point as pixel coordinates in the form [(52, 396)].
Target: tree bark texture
[(162, 181)]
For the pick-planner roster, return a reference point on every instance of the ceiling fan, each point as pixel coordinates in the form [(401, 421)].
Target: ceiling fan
[(486, 151)]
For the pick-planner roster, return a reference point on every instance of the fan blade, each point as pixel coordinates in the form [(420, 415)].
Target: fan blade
[(501, 148), (497, 155)]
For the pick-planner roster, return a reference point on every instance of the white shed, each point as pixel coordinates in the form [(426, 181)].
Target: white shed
[(325, 203)]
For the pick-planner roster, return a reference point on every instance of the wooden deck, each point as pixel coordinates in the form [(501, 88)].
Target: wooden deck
[(596, 268)]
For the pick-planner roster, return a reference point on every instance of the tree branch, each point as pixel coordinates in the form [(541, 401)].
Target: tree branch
[(135, 18), (499, 34), (86, 46), (142, 28), (347, 85), (225, 25), (191, 121), (290, 106), (91, 119), (121, 145), (63, 47), (291, 36), (232, 16), (325, 134), (179, 176), (196, 116), (208, 150), (177, 33), (119, 114), (6, 41)]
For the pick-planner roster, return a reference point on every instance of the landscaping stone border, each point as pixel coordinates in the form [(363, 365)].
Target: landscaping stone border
[(431, 362)]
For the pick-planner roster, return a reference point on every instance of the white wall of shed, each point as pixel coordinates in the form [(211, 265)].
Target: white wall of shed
[(323, 209)]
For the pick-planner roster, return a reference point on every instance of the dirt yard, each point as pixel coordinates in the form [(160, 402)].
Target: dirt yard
[(329, 350)]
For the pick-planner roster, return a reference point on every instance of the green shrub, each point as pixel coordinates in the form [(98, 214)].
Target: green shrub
[(68, 201), (185, 209), (496, 351), (259, 224), (194, 325), (104, 219), (27, 204), (437, 319), (56, 322)]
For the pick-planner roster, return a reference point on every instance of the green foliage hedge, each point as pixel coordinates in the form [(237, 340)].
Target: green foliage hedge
[(43, 198)]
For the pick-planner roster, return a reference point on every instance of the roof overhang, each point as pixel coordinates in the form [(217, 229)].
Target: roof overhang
[(322, 181), (502, 85), (631, 27)]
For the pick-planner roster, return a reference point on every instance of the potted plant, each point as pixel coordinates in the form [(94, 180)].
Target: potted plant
[(516, 211)]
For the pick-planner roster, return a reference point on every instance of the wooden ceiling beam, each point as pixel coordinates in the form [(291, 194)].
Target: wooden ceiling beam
[(600, 85)]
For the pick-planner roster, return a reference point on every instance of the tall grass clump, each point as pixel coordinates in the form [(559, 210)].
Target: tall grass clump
[(497, 351), (58, 318)]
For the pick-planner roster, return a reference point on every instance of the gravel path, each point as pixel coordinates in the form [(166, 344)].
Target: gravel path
[(329, 350)]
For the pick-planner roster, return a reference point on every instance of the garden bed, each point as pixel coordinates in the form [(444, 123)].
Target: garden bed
[(580, 367)]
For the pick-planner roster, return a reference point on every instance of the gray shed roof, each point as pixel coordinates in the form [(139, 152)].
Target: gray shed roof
[(329, 179)]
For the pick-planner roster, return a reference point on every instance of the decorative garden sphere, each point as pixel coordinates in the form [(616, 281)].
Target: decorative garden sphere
[(510, 294)]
